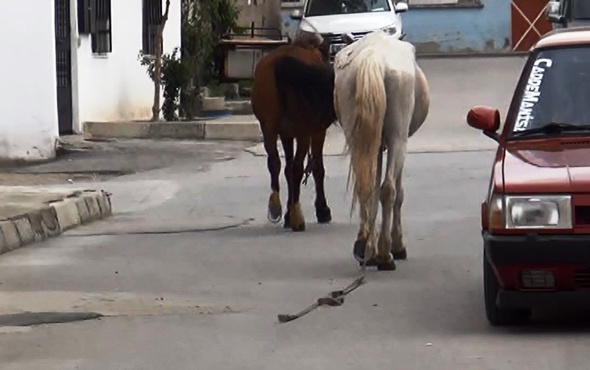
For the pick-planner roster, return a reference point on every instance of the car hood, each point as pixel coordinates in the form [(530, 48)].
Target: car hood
[(550, 169), (361, 22)]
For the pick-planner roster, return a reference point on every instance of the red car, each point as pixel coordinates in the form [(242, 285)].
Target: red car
[(536, 217)]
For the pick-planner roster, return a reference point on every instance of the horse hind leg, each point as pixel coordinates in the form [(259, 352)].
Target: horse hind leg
[(323, 212), (297, 220), (361, 246), (275, 208), (397, 245), (391, 195), (384, 259), (288, 149), (364, 246)]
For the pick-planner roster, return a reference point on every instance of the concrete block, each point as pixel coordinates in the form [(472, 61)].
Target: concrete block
[(3, 245), (36, 221), (128, 129), (10, 234), (240, 107), (49, 222), (233, 131), (93, 207), (25, 230), (177, 130), (213, 103), (67, 214), (104, 204), (230, 89), (83, 211)]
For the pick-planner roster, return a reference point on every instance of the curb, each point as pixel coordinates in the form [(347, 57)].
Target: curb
[(195, 130), (53, 219)]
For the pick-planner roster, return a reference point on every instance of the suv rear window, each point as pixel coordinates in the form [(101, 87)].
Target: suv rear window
[(580, 9), (334, 7), (557, 89)]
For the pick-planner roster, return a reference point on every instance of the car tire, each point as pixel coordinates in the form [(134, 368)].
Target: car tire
[(499, 316)]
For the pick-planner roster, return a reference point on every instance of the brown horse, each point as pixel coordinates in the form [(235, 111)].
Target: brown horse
[(292, 98)]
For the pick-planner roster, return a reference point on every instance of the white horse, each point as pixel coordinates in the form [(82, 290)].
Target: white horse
[(381, 98)]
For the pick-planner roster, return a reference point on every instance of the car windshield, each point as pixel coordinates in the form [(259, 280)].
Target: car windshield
[(333, 7), (557, 90), (581, 9)]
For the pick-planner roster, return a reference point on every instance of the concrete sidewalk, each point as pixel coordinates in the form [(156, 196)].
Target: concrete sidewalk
[(233, 127), (32, 214)]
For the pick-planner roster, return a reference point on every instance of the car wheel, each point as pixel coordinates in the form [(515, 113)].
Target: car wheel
[(499, 316)]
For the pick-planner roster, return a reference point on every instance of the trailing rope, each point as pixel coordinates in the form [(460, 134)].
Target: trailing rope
[(334, 299)]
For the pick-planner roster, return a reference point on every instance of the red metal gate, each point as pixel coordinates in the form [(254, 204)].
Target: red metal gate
[(528, 23)]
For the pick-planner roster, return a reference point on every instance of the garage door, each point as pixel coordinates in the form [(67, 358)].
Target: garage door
[(528, 23)]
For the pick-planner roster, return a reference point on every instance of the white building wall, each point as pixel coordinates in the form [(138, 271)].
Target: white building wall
[(115, 86), (28, 97)]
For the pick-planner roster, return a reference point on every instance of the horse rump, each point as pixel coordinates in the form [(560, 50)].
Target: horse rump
[(310, 88)]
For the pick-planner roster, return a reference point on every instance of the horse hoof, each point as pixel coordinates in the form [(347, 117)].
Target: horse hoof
[(296, 219), (274, 208), (324, 215), (386, 266), (358, 251), (274, 214), (400, 255), (370, 263), (297, 228), (287, 221)]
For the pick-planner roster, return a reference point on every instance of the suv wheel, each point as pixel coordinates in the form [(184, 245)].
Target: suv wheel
[(499, 316)]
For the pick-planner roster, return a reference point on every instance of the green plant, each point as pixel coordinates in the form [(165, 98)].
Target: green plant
[(204, 23), (157, 75), (174, 77)]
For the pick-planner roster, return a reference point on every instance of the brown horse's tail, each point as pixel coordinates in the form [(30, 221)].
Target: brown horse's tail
[(364, 134)]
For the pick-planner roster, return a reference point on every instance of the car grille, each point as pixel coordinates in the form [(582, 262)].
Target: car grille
[(337, 38), (582, 214), (582, 279)]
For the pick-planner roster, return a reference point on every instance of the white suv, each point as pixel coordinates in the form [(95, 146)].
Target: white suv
[(333, 18)]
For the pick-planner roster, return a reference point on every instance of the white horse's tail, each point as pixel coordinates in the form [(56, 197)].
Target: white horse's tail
[(364, 135)]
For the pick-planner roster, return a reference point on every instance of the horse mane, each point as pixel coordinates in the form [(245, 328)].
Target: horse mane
[(308, 40), (310, 88)]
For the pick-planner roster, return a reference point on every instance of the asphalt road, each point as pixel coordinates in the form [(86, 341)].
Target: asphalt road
[(189, 275)]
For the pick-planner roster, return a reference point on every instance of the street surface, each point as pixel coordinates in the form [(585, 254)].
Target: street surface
[(189, 274)]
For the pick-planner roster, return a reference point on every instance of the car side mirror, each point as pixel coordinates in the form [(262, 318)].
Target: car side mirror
[(556, 18), (485, 119), (401, 7), (296, 15)]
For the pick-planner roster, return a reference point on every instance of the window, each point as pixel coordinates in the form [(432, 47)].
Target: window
[(94, 19), (556, 90), (443, 3), (152, 16), (331, 7), (580, 9), (101, 38)]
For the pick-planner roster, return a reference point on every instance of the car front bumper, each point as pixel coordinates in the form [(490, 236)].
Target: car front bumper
[(566, 256)]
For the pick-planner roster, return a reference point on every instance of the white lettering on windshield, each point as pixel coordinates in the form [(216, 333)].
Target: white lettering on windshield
[(531, 94)]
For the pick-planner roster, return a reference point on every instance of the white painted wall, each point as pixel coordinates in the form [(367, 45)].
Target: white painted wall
[(115, 86), (28, 97)]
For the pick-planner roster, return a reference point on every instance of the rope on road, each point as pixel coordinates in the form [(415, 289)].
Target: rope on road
[(334, 299)]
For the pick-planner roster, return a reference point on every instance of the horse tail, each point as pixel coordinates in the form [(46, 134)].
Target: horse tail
[(364, 135)]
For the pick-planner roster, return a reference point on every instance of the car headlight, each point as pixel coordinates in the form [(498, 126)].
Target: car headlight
[(531, 212), (390, 30)]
